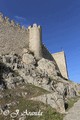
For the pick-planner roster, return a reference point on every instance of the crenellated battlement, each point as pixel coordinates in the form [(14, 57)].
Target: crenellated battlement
[(14, 31), (6, 20), (12, 23), (13, 36), (1, 17), (34, 26)]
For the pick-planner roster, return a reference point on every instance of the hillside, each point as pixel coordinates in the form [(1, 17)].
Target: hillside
[(33, 85)]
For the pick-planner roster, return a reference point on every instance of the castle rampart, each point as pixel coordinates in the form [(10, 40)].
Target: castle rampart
[(13, 38)]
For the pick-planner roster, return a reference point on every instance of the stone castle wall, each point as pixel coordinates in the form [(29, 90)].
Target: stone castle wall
[(12, 37), (61, 62), (46, 53)]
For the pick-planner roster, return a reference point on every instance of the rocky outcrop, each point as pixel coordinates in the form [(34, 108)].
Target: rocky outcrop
[(54, 100), (16, 70), (28, 59), (74, 112), (48, 66)]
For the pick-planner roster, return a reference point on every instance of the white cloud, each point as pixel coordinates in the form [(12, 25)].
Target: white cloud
[(20, 18)]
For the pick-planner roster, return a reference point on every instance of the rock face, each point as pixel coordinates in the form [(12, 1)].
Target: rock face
[(54, 100), (16, 70), (48, 66), (74, 112), (28, 59)]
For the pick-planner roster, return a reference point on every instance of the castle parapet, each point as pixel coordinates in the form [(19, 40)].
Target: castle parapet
[(1, 17), (7, 20), (12, 22), (23, 28)]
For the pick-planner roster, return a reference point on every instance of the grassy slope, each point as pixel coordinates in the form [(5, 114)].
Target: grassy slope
[(48, 112), (24, 103), (71, 102)]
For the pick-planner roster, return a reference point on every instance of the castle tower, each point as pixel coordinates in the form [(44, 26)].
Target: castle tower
[(35, 40), (60, 59)]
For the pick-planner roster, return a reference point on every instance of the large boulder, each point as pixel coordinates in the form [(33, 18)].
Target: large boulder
[(60, 88), (48, 66), (28, 58), (53, 99)]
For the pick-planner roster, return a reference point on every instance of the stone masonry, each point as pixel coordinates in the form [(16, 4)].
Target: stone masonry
[(14, 38), (61, 62)]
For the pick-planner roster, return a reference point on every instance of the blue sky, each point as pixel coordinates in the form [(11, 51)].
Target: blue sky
[(60, 20)]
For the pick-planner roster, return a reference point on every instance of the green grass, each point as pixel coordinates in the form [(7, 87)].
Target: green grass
[(48, 112), (23, 103), (31, 90), (71, 102), (79, 92)]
